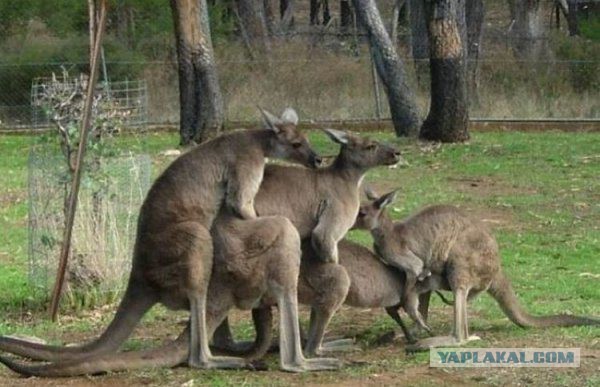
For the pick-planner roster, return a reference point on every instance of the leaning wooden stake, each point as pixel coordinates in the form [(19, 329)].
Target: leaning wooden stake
[(85, 125)]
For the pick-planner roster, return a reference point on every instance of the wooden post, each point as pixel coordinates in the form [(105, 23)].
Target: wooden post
[(85, 125)]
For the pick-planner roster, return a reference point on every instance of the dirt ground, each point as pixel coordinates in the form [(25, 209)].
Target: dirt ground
[(379, 358)]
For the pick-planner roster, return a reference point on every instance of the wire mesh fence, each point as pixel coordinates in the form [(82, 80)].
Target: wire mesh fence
[(334, 87), (111, 194)]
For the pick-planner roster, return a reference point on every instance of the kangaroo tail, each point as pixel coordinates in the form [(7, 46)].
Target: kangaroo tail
[(444, 299), (503, 292), (135, 303), (169, 355)]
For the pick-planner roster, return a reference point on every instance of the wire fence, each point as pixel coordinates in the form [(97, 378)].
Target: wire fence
[(111, 194), (336, 87)]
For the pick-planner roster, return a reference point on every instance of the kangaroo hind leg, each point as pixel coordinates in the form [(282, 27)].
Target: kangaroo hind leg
[(196, 245)]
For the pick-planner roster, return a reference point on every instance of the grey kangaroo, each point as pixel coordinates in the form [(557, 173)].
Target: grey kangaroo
[(253, 259), (295, 193), (458, 249), (173, 230), (299, 194)]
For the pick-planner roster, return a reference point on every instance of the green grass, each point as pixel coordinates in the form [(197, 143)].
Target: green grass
[(540, 192), (590, 27)]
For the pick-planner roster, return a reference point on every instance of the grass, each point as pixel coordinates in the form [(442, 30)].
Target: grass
[(539, 192)]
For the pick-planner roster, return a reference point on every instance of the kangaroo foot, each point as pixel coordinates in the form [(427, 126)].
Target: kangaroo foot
[(339, 345), (232, 348), (314, 364), (438, 341), (217, 362)]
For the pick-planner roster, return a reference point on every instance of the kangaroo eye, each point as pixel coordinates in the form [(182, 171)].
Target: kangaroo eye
[(361, 213), (371, 146), (297, 144)]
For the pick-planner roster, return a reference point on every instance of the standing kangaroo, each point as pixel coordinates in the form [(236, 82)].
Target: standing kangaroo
[(299, 194), (173, 231), (295, 193), (458, 249), (253, 258)]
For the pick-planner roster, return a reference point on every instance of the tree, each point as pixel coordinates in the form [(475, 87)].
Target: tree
[(448, 117), (253, 26), (286, 10), (390, 68), (315, 9), (201, 110), (569, 9), (346, 17), (527, 29)]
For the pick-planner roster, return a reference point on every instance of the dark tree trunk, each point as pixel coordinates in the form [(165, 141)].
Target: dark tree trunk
[(527, 29), (315, 8), (200, 97), (398, 5), (286, 10), (270, 15), (390, 68), (326, 12), (475, 14), (253, 26), (346, 17), (419, 40), (448, 117), (572, 22)]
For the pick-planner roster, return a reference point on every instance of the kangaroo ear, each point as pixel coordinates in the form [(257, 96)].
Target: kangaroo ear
[(271, 121), (338, 136), (371, 194), (386, 199), (289, 116)]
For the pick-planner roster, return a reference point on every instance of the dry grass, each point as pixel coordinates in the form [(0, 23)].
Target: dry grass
[(103, 232), (331, 82)]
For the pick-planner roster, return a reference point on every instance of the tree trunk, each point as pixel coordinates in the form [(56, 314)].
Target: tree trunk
[(326, 12), (448, 116), (253, 26), (475, 14), (527, 29), (346, 17), (572, 22), (200, 97), (398, 5), (287, 15), (315, 8), (419, 40), (390, 68), (270, 12)]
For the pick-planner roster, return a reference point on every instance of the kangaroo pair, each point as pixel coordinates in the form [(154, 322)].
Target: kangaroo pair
[(460, 254), (170, 264)]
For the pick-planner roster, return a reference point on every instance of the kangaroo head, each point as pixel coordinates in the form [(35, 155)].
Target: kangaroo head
[(361, 152), (289, 143), (370, 213)]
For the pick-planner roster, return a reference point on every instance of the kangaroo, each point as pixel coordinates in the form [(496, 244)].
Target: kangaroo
[(395, 251), (292, 192), (299, 194), (173, 230), (253, 259), (360, 280), (458, 249)]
